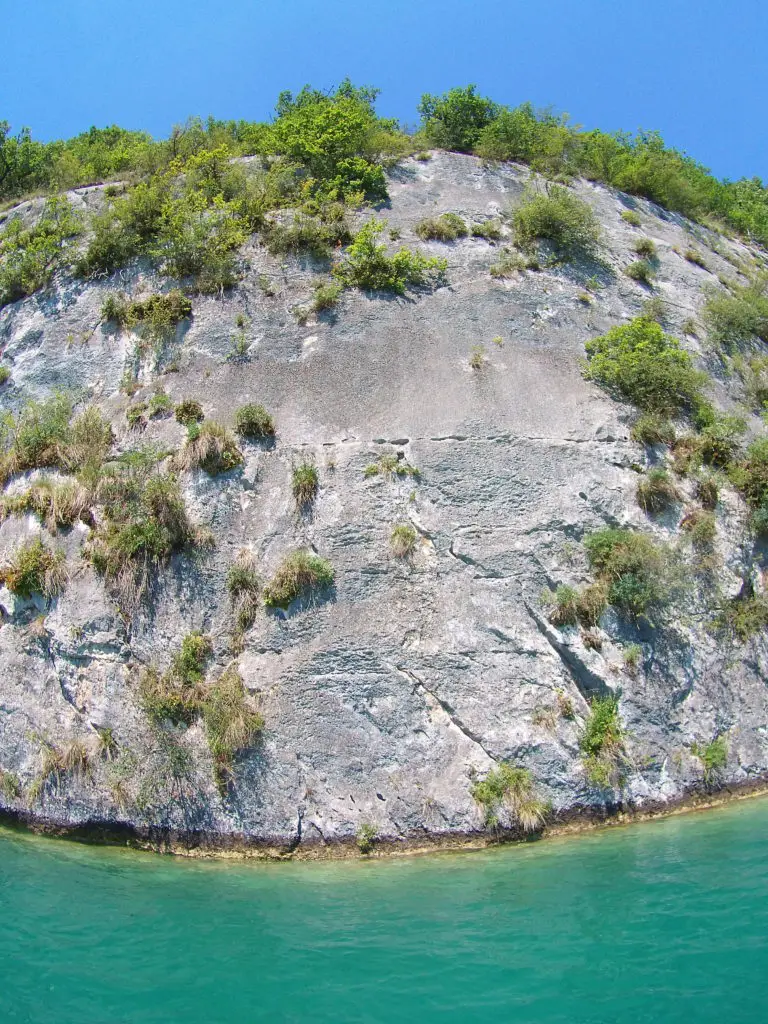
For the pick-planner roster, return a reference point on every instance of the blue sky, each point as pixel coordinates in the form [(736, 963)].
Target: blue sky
[(694, 69)]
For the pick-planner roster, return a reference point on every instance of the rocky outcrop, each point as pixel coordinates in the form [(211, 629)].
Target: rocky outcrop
[(386, 697)]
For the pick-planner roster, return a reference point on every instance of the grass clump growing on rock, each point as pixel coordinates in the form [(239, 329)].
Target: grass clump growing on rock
[(230, 725), (304, 484), (632, 566), (175, 695), (10, 786), (559, 217), (713, 757), (657, 492), (366, 837), (651, 428), (157, 315), (701, 527), (740, 317), (630, 217), (253, 421), (300, 574), (645, 248), (34, 569), (402, 540), (159, 405), (645, 366), (490, 230), (188, 411), (368, 266), (743, 616), (513, 788), (642, 272), (602, 743), (209, 447), (244, 587), (5, 374), (58, 504), (390, 465), (445, 228)]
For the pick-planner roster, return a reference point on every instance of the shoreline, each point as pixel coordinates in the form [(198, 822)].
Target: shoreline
[(217, 846)]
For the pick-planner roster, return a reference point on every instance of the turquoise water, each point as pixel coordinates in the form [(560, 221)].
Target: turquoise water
[(664, 921)]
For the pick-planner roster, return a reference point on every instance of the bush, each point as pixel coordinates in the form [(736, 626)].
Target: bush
[(645, 366), (176, 695), (456, 119), (310, 235), (368, 266), (700, 525), (657, 493), (34, 569), (641, 271), (651, 428), (253, 421), (390, 465), (10, 786), (30, 256), (632, 566), (743, 616), (602, 743), (159, 405), (326, 296), (561, 218), (507, 263), (695, 257), (156, 315), (402, 540), (707, 491), (740, 317), (488, 229), (304, 484), (134, 414), (5, 374), (230, 724), (645, 248), (630, 217), (511, 787), (209, 447), (445, 228), (188, 411), (244, 587), (366, 837), (301, 573), (713, 756), (572, 606), (188, 665)]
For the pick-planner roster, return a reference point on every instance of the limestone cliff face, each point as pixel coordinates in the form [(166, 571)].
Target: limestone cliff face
[(384, 699)]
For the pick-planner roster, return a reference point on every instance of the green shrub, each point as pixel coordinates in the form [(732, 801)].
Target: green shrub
[(366, 837), (10, 786), (640, 363), (456, 119), (34, 569), (657, 492), (641, 271), (713, 756), (209, 447), (488, 229), (700, 525), (738, 318), (175, 696), (188, 665), (508, 262), (694, 256), (244, 587), (230, 724), (188, 411), (368, 266), (310, 235), (645, 248), (707, 491), (30, 256), (477, 357), (565, 610), (602, 743), (651, 428), (572, 606), (561, 218), (390, 465), (511, 787), (304, 484), (253, 421), (743, 616), (156, 315), (445, 228), (630, 217), (5, 374), (634, 568), (159, 405), (37, 437), (326, 296), (719, 441), (134, 414), (632, 656), (300, 573), (402, 540)]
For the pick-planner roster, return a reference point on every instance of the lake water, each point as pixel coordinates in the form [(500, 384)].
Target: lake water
[(664, 921)]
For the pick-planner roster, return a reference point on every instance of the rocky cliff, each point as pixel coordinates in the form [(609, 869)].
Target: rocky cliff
[(387, 696)]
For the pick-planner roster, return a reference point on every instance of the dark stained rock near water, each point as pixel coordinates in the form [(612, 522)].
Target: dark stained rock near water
[(386, 696)]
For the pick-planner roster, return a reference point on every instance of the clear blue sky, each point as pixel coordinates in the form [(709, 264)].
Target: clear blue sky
[(697, 70)]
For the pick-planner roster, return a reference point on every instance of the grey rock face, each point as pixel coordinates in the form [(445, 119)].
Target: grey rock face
[(386, 698)]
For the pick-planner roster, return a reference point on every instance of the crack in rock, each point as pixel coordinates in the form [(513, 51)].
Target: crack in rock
[(588, 682), (420, 688)]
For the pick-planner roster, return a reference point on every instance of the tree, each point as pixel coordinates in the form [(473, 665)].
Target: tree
[(456, 119)]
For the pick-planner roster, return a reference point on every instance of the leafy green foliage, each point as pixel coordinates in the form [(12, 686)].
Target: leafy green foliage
[(743, 616), (445, 228), (253, 421), (642, 364), (402, 540), (158, 315), (300, 573), (602, 743), (367, 265), (632, 565), (652, 428), (456, 119), (34, 569), (244, 587), (739, 317), (30, 256), (641, 271), (188, 411), (366, 837), (630, 217), (713, 756), (561, 218), (511, 787), (209, 447)]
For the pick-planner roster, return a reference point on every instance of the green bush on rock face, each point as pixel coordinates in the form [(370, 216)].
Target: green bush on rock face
[(512, 787), (254, 421), (602, 743), (633, 567), (645, 366), (299, 574), (368, 265), (559, 217)]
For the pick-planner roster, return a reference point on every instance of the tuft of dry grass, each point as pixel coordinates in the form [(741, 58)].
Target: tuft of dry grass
[(209, 447), (402, 540)]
